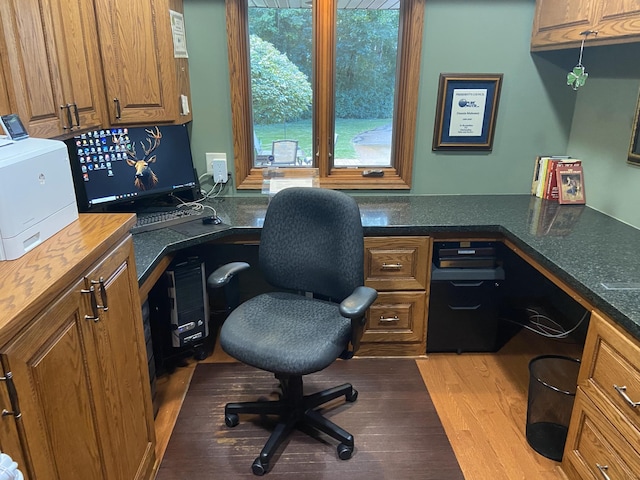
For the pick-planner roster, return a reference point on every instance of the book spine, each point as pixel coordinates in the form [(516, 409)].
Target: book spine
[(550, 181), (543, 176), (536, 175)]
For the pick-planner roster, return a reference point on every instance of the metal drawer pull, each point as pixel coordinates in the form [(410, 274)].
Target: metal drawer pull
[(623, 393), (389, 319), (391, 266), (13, 397), (471, 307), (467, 284), (94, 304), (603, 470), (103, 293)]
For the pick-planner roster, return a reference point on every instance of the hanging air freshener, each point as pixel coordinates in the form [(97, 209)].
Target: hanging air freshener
[(578, 76)]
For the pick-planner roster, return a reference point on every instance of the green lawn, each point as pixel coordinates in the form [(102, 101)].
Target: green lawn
[(346, 129)]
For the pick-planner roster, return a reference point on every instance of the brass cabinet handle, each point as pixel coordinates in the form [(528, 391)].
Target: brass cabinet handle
[(13, 397), (391, 266), (389, 319), (603, 470), (69, 125), (103, 293), (76, 114), (94, 304), (623, 393)]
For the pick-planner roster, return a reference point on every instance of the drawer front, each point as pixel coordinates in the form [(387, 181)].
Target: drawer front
[(594, 449), (397, 263), (396, 317), (613, 374)]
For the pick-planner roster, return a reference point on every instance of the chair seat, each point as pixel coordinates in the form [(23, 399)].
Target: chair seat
[(289, 334)]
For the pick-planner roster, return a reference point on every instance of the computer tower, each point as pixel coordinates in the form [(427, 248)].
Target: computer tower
[(188, 301), (179, 310)]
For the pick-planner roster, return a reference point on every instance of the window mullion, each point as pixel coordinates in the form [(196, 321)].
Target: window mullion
[(324, 25)]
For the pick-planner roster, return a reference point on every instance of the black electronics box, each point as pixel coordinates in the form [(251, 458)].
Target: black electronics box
[(179, 311), (464, 254), (467, 281)]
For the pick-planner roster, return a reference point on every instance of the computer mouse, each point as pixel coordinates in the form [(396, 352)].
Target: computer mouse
[(211, 220)]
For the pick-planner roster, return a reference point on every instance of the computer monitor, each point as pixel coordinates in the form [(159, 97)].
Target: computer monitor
[(127, 165)]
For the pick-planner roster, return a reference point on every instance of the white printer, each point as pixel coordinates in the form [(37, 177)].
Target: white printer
[(37, 198)]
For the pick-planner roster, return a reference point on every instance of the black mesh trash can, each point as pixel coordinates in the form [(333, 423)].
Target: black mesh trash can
[(552, 389)]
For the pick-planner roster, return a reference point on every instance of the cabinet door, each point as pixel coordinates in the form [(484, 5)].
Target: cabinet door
[(123, 399), (618, 20), (76, 41), (5, 106), (137, 54), (50, 367), (53, 64), (31, 68), (558, 22)]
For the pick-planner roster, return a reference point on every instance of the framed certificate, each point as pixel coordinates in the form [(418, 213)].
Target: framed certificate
[(466, 111)]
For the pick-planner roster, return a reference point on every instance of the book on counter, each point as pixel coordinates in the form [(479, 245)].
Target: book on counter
[(544, 184)]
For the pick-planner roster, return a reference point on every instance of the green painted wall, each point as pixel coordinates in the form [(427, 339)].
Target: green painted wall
[(601, 130), (535, 116)]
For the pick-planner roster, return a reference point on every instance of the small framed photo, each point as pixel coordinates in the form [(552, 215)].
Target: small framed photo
[(570, 185), (634, 146), (466, 111)]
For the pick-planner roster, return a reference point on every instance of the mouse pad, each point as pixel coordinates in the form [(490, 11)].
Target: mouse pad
[(196, 228)]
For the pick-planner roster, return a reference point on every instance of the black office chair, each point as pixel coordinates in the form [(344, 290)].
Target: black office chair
[(311, 241)]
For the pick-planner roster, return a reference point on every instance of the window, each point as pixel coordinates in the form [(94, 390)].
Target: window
[(295, 70)]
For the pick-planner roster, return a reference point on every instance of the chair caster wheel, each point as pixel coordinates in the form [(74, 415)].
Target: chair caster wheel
[(353, 396), (344, 451), (259, 468), (231, 419)]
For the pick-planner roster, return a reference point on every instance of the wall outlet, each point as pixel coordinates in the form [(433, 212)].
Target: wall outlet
[(217, 166)]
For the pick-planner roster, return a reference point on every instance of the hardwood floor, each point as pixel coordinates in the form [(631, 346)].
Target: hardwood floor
[(481, 400)]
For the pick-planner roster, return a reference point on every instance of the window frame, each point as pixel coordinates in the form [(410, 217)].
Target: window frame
[(397, 177)]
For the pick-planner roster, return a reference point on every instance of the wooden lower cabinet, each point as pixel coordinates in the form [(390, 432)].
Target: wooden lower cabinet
[(79, 380), (604, 433), (398, 268)]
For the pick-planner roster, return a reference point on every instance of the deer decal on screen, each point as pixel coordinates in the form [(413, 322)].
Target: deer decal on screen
[(144, 178)]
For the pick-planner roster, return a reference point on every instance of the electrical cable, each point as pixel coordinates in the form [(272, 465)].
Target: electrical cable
[(550, 331)]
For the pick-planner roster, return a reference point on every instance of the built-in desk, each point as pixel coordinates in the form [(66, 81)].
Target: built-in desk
[(582, 250), (590, 256)]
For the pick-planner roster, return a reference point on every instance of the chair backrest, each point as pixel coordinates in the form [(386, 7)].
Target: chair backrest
[(312, 241), (284, 152)]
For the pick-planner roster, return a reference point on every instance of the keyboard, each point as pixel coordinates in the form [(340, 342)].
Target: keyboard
[(164, 219)]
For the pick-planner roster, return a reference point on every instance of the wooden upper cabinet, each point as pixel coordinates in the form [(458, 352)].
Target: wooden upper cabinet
[(560, 23), (140, 71), (5, 106), (52, 69), (79, 59)]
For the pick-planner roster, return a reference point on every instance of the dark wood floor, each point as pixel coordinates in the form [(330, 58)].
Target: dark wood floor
[(397, 430)]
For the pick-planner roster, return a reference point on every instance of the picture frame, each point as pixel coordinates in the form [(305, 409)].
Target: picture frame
[(570, 185), (633, 156), (466, 111)]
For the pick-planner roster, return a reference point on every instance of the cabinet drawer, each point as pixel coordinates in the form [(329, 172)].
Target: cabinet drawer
[(396, 317), (594, 448), (397, 263), (612, 374)]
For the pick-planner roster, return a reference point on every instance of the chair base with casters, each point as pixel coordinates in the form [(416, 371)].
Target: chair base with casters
[(295, 410)]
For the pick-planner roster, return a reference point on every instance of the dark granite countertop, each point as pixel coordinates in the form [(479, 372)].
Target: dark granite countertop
[(592, 252)]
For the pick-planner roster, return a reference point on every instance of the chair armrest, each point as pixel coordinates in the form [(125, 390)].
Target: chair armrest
[(356, 304), (222, 275)]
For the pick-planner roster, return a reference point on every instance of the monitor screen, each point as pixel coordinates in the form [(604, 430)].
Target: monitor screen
[(130, 164)]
